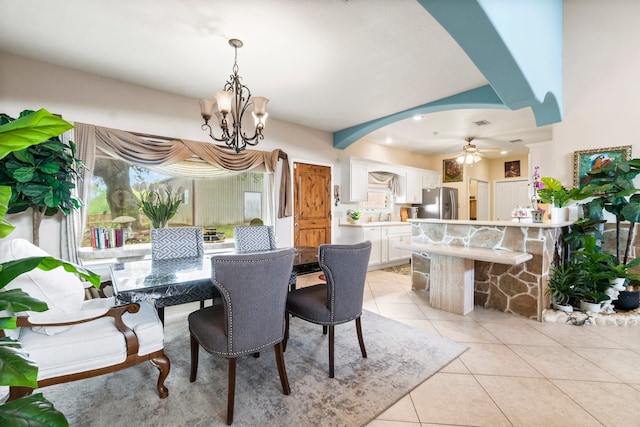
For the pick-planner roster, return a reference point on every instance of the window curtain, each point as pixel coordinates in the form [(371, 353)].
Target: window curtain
[(388, 178), (168, 155)]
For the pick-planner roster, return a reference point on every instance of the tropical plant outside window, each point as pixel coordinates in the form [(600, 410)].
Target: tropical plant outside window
[(204, 202)]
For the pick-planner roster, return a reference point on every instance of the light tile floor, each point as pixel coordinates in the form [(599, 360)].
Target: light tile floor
[(517, 372)]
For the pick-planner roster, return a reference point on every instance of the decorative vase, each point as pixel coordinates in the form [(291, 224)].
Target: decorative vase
[(537, 215)]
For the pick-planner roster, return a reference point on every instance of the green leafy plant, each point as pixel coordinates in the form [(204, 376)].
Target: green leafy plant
[(15, 367), (159, 202), (41, 176), (354, 215), (554, 193), (613, 190), (564, 279)]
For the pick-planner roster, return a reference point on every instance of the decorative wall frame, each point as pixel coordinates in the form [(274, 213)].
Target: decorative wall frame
[(585, 160), (512, 169), (452, 170)]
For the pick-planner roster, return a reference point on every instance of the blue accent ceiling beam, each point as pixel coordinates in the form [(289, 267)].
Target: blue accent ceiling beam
[(482, 97), (517, 45)]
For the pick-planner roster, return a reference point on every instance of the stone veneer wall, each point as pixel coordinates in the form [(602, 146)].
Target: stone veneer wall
[(518, 289)]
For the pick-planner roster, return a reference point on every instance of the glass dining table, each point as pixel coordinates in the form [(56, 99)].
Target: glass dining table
[(183, 280)]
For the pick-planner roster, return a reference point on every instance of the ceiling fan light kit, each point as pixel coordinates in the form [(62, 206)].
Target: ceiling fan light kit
[(469, 153)]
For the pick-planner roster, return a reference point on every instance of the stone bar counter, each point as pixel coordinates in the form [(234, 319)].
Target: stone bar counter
[(503, 265)]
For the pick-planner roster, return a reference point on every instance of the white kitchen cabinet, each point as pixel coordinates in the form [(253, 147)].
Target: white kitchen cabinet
[(374, 234), (414, 187), (410, 186), (355, 180), (383, 239), (400, 234), (430, 179)]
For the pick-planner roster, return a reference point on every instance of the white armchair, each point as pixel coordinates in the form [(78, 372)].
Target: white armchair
[(77, 339)]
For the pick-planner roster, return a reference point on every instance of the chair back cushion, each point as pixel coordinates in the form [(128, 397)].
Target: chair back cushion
[(254, 238), (254, 291), (345, 269), (179, 242)]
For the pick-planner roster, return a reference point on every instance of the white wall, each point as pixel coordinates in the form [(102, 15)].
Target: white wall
[(87, 98)]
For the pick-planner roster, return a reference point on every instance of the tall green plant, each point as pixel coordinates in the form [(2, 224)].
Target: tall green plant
[(614, 191), (15, 367), (41, 176)]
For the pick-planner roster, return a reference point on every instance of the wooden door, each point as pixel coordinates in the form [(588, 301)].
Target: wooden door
[(312, 208)]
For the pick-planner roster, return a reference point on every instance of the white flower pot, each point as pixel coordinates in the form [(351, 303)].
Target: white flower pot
[(561, 307), (590, 306), (559, 215)]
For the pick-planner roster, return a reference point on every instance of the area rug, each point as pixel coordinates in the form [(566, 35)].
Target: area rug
[(400, 357), (404, 269)]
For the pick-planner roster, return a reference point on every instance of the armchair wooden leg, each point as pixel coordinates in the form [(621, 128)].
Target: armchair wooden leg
[(164, 365), (282, 370), (195, 346), (331, 334), (232, 390), (360, 340), (16, 392)]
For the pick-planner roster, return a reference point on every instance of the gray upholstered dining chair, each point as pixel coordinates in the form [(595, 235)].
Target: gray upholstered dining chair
[(254, 293), (339, 300), (174, 243), (254, 238)]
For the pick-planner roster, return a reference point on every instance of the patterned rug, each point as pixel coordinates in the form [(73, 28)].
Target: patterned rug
[(404, 269), (400, 357)]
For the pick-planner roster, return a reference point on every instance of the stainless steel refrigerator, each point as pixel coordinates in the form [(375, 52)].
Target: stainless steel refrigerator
[(439, 203)]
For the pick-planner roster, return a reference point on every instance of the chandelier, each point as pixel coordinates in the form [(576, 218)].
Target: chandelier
[(229, 106), (470, 153)]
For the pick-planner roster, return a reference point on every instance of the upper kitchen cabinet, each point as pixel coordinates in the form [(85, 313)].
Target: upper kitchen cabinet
[(430, 179), (355, 180)]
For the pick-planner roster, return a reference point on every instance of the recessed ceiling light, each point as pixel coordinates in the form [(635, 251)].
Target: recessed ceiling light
[(417, 117), (388, 140), (513, 141), (503, 152), (482, 123)]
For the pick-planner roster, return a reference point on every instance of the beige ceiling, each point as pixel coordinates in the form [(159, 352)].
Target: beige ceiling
[(328, 64)]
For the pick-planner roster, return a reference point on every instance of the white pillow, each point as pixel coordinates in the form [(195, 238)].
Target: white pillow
[(62, 291)]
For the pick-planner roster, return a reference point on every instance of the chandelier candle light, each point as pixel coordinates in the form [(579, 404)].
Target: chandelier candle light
[(229, 106)]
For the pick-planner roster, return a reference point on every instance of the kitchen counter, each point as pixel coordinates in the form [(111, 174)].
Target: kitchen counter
[(524, 223), (374, 224), (518, 289)]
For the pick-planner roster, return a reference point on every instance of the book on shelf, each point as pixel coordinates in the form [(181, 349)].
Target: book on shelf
[(106, 238)]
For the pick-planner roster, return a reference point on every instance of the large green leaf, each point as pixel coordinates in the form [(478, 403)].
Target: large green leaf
[(29, 130), (12, 269), (5, 196), (31, 411), (15, 301), (15, 366)]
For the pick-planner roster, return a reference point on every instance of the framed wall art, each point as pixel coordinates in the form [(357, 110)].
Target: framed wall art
[(585, 160), (451, 170), (512, 169)]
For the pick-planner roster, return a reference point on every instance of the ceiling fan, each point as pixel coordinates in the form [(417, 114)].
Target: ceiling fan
[(471, 154)]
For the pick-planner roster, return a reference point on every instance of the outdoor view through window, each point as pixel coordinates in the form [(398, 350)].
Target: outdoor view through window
[(118, 187)]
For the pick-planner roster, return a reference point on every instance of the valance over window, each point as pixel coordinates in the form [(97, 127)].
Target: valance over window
[(171, 156)]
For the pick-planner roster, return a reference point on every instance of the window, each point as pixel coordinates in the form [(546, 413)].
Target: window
[(217, 202)]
